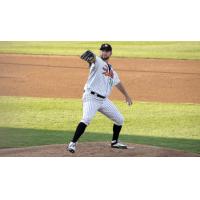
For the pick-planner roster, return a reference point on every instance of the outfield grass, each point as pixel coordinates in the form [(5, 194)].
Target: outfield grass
[(26, 121), (172, 50)]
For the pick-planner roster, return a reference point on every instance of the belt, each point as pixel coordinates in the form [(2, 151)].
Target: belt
[(98, 95)]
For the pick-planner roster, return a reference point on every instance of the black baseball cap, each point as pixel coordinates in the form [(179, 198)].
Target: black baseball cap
[(106, 47)]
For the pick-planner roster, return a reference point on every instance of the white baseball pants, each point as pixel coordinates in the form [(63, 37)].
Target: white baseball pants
[(92, 104)]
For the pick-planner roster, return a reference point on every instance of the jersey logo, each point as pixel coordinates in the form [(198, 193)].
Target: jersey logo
[(108, 71)]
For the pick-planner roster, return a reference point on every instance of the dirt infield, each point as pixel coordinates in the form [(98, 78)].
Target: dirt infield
[(94, 149), (64, 76)]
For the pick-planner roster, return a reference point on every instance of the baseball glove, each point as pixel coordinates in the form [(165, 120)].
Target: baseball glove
[(89, 57)]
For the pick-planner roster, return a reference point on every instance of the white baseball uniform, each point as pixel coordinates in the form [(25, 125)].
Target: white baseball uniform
[(101, 79)]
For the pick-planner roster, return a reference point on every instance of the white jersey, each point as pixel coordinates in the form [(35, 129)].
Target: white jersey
[(101, 78)]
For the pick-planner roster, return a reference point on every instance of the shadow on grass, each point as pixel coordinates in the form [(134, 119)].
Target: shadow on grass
[(23, 137)]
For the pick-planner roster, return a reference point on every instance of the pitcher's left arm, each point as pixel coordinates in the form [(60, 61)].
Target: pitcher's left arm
[(122, 89)]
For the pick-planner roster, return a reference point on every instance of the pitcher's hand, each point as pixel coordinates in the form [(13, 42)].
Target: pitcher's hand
[(129, 100)]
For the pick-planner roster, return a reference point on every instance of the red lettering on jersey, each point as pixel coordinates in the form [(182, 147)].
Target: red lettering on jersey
[(108, 72)]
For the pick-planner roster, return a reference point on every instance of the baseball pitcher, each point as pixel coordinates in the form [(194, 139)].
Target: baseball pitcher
[(102, 78)]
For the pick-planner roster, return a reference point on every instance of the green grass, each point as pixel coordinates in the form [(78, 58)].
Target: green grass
[(26, 121), (171, 50)]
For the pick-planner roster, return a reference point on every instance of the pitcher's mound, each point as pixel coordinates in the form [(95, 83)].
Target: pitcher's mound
[(93, 149)]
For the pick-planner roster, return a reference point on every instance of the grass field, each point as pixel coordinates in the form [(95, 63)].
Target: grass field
[(172, 50), (26, 121)]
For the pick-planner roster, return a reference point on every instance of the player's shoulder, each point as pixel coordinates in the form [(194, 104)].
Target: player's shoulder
[(99, 62), (98, 59), (115, 73)]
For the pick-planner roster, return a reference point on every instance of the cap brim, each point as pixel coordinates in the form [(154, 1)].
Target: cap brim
[(105, 49)]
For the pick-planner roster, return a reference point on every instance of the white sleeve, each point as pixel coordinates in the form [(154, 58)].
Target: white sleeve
[(94, 65), (116, 78)]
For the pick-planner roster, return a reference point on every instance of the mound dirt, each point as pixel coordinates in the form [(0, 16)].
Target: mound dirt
[(94, 149)]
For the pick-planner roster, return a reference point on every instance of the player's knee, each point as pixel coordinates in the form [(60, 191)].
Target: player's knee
[(86, 120), (120, 120)]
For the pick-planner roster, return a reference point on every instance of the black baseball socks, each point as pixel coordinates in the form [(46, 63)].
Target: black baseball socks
[(81, 128), (79, 131), (116, 131)]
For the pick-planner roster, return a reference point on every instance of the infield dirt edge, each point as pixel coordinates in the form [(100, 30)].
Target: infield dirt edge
[(95, 149)]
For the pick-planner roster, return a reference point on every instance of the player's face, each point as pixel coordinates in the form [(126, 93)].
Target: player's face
[(105, 55)]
